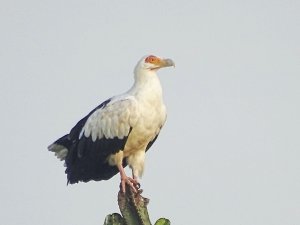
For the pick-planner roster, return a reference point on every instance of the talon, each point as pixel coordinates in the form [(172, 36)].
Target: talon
[(138, 185), (132, 184)]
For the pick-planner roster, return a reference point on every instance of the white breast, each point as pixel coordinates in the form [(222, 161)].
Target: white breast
[(152, 115)]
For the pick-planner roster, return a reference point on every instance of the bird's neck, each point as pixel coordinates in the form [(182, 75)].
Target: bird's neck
[(146, 86)]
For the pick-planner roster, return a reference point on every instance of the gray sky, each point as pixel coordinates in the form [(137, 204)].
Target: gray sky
[(229, 152)]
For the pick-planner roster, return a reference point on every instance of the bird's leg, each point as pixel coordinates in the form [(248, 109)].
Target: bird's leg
[(130, 181)]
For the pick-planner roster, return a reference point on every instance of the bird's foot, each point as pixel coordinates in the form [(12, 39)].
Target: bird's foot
[(133, 184)]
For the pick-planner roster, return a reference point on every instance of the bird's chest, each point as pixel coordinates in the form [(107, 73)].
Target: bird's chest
[(151, 119)]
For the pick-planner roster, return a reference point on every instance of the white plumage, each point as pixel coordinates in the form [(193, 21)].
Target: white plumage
[(119, 131), (114, 120)]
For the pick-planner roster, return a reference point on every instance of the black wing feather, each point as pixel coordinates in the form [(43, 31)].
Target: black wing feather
[(87, 159), (151, 143)]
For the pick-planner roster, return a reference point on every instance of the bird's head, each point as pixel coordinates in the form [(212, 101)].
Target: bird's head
[(153, 63)]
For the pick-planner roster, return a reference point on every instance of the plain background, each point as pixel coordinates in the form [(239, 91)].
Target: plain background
[(229, 152)]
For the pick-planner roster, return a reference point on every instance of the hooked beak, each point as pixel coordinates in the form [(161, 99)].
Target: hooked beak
[(168, 63), (161, 63)]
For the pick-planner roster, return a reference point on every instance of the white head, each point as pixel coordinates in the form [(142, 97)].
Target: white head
[(152, 63)]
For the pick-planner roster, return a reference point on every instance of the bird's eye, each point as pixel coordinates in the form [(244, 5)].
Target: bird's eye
[(150, 59)]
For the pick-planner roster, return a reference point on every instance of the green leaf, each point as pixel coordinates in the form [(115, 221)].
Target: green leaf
[(162, 221)]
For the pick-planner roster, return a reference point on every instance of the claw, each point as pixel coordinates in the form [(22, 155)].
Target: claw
[(134, 185), (138, 185), (132, 182)]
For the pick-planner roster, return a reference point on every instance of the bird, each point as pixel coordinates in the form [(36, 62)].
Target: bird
[(118, 132)]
